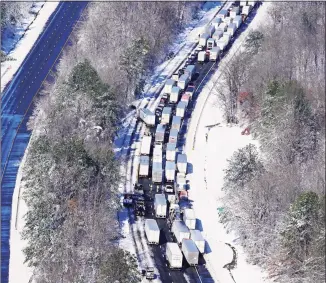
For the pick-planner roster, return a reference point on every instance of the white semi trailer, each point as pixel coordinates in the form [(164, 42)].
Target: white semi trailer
[(174, 255), (160, 206), (152, 231)]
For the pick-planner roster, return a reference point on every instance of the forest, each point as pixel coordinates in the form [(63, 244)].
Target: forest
[(71, 175), (275, 192)]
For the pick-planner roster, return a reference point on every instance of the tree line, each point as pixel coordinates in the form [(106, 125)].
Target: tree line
[(71, 175), (275, 194)]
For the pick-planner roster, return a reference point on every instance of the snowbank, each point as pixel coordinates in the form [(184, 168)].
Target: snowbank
[(9, 68), (207, 158)]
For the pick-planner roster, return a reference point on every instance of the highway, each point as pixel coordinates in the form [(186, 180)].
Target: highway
[(17, 107)]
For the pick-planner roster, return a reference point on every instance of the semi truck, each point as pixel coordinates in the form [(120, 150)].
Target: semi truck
[(170, 151), (216, 21), (170, 171), (176, 123), (190, 251), (214, 54), (234, 12), (152, 231), (160, 133), (166, 115), (190, 71), (173, 138), (201, 56), (182, 163), (223, 27), (180, 231), (145, 148), (160, 206), (203, 38), (231, 29), (222, 14), (218, 34), (174, 255), (157, 153), (198, 239), (189, 218), (143, 166), (237, 21), (174, 96), (185, 98), (157, 172), (147, 116), (183, 81), (180, 184), (168, 86), (181, 109)]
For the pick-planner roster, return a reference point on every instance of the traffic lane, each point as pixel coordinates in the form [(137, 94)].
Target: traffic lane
[(31, 84)]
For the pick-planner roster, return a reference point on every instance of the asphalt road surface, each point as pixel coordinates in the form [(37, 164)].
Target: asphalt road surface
[(17, 106)]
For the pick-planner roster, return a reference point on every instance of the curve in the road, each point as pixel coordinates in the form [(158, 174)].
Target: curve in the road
[(17, 106)]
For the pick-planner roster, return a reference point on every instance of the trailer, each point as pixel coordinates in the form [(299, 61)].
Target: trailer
[(174, 255), (216, 21), (201, 56), (210, 30), (180, 231), (218, 34), (189, 218), (246, 10), (166, 115), (147, 116), (143, 166), (168, 85), (182, 163), (160, 133), (210, 43), (170, 171), (173, 138), (160, 206), (190, 71), (231, 29), (223, 27), (252, 3), (181, 183), (198, 239), (157, 174), (190, 251), (176, 123), (174, 96), (226, 39), (183, 81), (234, 12), (181, 109), (146, 143), (214, 54), (170, 151), (152, 231), (185, 98), (222, 14), (227, 20), (157, 153), (221, 44), (243, 3), (203, 38), (175, 76), (237, 21), (190, 91)]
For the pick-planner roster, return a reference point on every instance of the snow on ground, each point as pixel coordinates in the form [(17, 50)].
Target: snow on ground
[(207, 159), (9, 68)]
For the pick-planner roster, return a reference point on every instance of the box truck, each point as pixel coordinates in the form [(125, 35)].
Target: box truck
[(183, 81), (203, 38), (210, 30), (157, 172), (143, 166), (190, 71), (218, 34), (246, 10), (214, 54), (198, 239), (146, 143), (234, 12), (210, 43), (169, 171), (176, 123), (147, 116), (222, 14), (221, 44), (166, 114), (222, 26), (160, 133), (160, 206), (201, 56), (180, 231), (231, 29), (152, 231), (182, 163), (181, 109), (190, 251), (174, 255), (189, 218), (237, 21), (170, 151), (174, 96), (173, 138), (168, 85), (243, 3)]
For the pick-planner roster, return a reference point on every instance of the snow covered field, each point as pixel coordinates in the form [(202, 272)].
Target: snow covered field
[(207, 160), (9, 68), (18, 271)]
